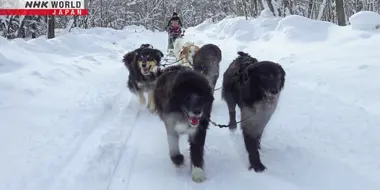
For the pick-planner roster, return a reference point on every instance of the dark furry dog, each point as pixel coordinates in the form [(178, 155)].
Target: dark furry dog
[(255, 87), (130, 56), (184, 100), (143, 65), (206, 61)]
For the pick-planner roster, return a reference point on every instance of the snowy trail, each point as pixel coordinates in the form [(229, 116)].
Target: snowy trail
[(100, 144), (73, 124), (292, 166)]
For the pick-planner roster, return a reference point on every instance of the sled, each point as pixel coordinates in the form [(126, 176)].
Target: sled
[(169, 56)]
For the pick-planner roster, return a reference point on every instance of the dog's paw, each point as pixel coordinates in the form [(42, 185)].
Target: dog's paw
[(198, 175), (177, 159), (257, 167), (151, 108), (232, 126), (142, 100), (151, 104)]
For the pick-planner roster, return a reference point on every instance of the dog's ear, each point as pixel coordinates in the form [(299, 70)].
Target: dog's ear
[(282, 71), (159, 53)]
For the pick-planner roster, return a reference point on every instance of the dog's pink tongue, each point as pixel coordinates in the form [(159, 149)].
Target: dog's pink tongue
[(194, 120)]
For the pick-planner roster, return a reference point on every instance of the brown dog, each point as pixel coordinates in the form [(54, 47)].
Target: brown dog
[(187, 53)]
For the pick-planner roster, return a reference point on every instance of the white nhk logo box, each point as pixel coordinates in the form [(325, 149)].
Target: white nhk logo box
[(44, 7)]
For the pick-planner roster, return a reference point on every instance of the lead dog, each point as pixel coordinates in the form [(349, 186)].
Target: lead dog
[(184, 101), (129, 57), (255, 87), (206, 61), (143, 64)]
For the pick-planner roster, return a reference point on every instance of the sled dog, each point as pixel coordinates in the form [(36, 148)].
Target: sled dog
[(206, 61), (184, 100), (255, 86), (143, 65)]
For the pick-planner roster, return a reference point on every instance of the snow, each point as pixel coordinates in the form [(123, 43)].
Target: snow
[(69, 122), (365, 20)]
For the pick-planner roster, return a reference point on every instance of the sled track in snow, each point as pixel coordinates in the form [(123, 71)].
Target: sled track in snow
[(123, 169), (117, 175), (97, 126)]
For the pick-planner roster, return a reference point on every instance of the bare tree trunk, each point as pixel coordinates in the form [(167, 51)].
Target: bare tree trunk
[(75, 24), (270, 5), (340, 12), (34, 28), (245, 9), (101, 13), (255, 8), (51, 27), (321, 9), (310, 9), (288, 6), (21, 29)]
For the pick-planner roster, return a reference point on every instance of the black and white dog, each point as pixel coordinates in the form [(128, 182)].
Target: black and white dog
[(184, 100), (255, 86), (143, 66), (206, 61)]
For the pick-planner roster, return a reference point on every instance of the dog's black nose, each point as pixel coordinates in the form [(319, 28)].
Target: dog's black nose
[(143, 65), (197, 111)]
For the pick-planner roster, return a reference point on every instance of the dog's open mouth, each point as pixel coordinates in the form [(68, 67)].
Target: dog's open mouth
[(271, 97), (145, 70), (194, 121)]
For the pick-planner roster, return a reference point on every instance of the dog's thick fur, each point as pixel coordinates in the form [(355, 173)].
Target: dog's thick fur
[(143, 65), (184, 100), (206, 61), (130, 56), (187, 54), (185, 51), (255, 87)]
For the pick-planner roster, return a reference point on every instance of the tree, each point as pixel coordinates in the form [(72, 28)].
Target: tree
[(50, 27), (340, 12), (154, 14)]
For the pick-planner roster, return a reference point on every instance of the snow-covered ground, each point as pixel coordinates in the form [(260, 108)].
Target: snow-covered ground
[(68, 121)]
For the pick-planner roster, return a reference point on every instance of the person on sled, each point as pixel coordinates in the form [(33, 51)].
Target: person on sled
[(174, 30), (174, 18)]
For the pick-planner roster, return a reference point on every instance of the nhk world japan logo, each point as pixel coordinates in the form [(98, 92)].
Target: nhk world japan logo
[(44, 7)]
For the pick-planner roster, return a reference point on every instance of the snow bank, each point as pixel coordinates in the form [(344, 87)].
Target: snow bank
[(365, 20), (52, 94), (238, 27), (301, 29), (135, 28), (293, 28), (34, 65)]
